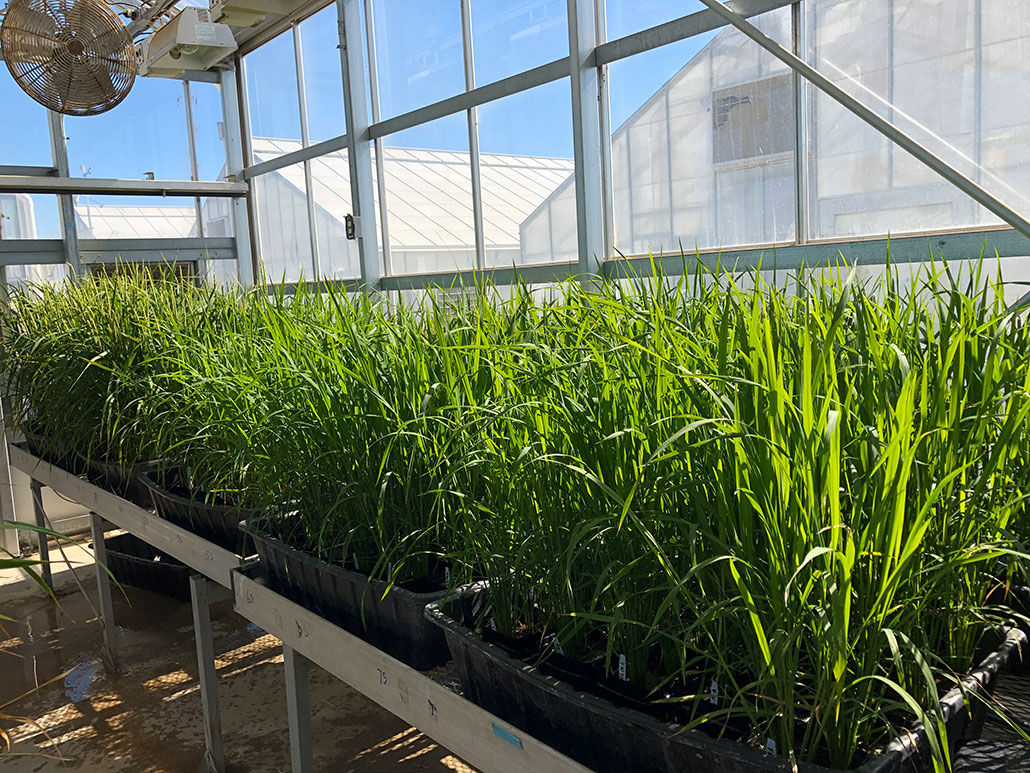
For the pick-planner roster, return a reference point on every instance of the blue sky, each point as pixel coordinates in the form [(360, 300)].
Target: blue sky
[(420, 61)]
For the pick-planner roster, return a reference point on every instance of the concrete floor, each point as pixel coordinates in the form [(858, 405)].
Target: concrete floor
[(148, 719)]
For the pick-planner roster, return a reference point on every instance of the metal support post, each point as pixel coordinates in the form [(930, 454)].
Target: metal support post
[(8, 536), (586, 131), (44, 544), (96, 524), (214, 758), (377, 143), (305, 141), (191, 136), (65, 202), (359, 151), (607, 185), (298, 710), (473, 127), (234, 166)]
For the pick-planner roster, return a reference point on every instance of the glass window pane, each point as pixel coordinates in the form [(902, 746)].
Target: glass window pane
[(337, 255), (624, 17), (418, 52), (25, 142), (216, 215), (525, 169), (284, 237), (323, 77), (24, 216), (702, 144), (135, 217), (955, 80), (272, 98), (145, 133), (509, 38), (429, 198), (208, 130)]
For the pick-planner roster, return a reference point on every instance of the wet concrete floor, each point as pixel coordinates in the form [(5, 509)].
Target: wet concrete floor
[(147, 718)]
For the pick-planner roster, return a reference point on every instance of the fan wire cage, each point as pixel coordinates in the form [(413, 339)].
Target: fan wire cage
[(72, 56)]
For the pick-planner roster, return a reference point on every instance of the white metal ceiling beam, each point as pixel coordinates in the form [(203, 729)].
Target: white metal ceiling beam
[(100, 186)]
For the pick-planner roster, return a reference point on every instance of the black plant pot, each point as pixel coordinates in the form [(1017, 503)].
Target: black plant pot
[(133, 562), (54, 450), (123, 480), (215, 522), (605, 737), (395, 624)]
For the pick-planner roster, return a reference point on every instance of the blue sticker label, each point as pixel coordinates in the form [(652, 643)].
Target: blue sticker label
[(507, 735)]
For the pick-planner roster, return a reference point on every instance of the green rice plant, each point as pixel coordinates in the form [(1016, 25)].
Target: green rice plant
[(799, 492)]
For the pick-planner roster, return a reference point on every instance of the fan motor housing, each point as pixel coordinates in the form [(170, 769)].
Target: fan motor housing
[(190, 41)]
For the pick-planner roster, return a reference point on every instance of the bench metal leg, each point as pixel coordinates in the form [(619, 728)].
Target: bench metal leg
[(298, 709), (96, 524), (214, 759), (44, 546)]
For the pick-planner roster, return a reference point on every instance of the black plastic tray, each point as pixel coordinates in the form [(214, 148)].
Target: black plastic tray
[(53, 450), (218, 523), (125, 481), (133, 562), (605, 737), (395, 624)]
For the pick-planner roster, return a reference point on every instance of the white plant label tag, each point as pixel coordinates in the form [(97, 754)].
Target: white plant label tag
[(493, 624), (713, 693), (447, 575), (557, 646), (354, 556), (622, 667), (770, 746)]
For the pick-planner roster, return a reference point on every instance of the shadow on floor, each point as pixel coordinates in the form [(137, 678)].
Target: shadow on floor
[(147, 718)]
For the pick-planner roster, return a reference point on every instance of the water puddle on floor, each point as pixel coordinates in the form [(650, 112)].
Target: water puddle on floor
[(78, 681)]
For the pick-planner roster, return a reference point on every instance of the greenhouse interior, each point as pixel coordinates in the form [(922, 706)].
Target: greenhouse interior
[(515, 385)]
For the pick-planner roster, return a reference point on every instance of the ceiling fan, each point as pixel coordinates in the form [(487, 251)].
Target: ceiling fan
[(73, 56)]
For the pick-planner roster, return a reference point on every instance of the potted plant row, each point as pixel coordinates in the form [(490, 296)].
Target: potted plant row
[(767, 522)]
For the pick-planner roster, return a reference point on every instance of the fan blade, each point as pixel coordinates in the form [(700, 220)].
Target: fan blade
[(28, 48), (62, 74), (103, 80), (31, 21), (107, 42)]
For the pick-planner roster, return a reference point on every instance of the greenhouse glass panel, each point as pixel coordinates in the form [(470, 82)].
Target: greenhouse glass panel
[(136, 217), (25, 142), (208, 130), (323, 78), (150, 131), (707, 159), (429, 198), (948, 75), (509, 38), (330, 179), (273, 102), (624, 17), (281, 212), (29, 216), (418, 51), (525, 163)]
